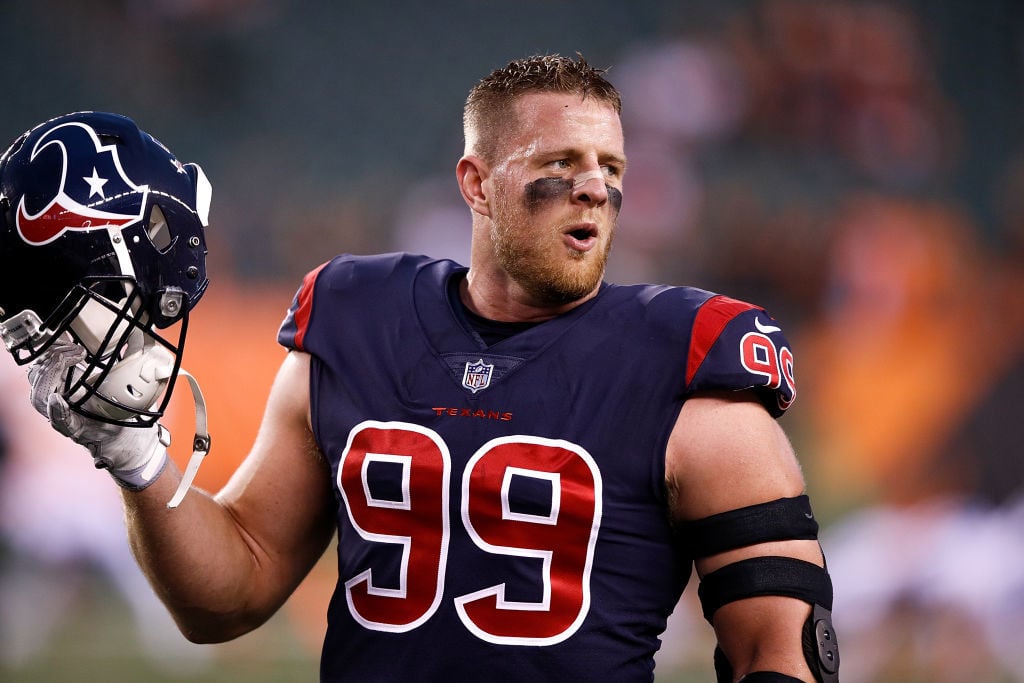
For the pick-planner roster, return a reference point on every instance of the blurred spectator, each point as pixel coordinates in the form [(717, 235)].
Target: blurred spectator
[(854, 79), (899, 349), (910, 389)]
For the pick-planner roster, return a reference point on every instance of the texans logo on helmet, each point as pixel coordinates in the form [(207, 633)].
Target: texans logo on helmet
[(91, 176)]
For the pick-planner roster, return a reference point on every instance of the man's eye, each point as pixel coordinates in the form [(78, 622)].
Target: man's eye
[(611, 171), (560, 163)]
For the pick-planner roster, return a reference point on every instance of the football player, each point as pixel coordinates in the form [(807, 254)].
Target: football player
[(523, 463)]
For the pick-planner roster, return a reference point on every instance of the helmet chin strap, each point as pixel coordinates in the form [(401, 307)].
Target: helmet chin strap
[(200, 442)]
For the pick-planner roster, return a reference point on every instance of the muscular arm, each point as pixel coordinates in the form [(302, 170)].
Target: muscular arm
[(224, 564), (726, 452)]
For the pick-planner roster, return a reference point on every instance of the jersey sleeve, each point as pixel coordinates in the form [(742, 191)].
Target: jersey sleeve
[(735, 345), (292, 332)]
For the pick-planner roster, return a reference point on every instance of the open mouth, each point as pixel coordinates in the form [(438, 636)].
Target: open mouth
[(582, 237)]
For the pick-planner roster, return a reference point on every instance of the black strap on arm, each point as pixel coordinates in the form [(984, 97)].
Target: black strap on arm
[(785, 576), (767, 575), (778, 520), (783, 519)]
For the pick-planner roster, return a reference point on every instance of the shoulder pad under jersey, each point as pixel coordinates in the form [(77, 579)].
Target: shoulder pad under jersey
[(736, 345), (345, 272)]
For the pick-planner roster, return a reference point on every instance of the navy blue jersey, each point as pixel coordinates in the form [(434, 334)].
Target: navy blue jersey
[(502, 511)]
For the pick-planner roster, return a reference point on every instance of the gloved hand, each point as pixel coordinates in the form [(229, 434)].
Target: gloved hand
[(134, 456)]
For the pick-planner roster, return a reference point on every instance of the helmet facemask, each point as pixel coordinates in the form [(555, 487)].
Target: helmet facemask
[(129, 370)]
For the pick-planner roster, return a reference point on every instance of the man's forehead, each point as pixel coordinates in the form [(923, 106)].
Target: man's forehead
[(547, 122), (539, 107)]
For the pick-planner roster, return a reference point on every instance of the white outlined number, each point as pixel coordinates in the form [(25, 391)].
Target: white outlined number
[(563, 536), (760, 356)]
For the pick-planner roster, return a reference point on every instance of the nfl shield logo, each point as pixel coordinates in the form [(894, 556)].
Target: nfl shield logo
[(477, 375)]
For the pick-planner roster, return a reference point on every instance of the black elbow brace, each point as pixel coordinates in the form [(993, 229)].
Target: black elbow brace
[(783, 519)]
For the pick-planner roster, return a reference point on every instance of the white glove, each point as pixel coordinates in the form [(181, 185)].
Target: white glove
[(134, 456)]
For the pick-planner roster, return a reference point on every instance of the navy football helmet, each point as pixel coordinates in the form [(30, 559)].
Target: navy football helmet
[(101, 239)]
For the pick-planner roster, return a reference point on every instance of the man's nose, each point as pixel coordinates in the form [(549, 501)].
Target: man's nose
[(589, 188)]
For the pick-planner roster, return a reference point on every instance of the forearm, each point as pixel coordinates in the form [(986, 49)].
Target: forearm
[(199, 561)]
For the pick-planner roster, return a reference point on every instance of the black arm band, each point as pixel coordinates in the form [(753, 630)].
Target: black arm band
[(778, 520), (768, 575), (785, 576), (768, 677)]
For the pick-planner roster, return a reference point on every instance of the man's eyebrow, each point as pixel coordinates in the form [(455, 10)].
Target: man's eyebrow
[(559, 152), (575, 152), (617, 159)]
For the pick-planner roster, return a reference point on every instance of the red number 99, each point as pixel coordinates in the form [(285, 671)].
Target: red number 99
[(562, 536)]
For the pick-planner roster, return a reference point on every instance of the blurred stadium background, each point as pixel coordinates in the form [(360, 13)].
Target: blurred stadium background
[(856, 166)]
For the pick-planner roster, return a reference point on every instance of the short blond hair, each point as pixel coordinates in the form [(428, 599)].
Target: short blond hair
[(489, 104)]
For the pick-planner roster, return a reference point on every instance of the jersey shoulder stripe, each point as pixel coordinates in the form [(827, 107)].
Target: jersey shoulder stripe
[(710, 321), (293, 328)]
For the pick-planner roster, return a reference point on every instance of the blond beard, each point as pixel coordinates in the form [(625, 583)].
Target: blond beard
[(546, 276)]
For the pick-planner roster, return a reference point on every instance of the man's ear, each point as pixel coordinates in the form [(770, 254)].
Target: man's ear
[(472, 172)]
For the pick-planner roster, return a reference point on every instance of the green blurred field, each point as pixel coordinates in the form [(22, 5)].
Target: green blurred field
[(96, 642)]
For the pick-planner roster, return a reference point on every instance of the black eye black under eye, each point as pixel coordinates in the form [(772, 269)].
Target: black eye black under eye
[(615, 197), (545, 189)]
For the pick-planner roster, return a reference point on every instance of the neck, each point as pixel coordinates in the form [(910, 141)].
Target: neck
[(500, 298)]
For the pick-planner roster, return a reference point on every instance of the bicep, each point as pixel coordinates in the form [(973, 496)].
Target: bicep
[(281, 496), (725, 452)]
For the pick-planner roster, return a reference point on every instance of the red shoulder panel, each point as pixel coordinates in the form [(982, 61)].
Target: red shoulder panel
[(711, 319), (305, 305)]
